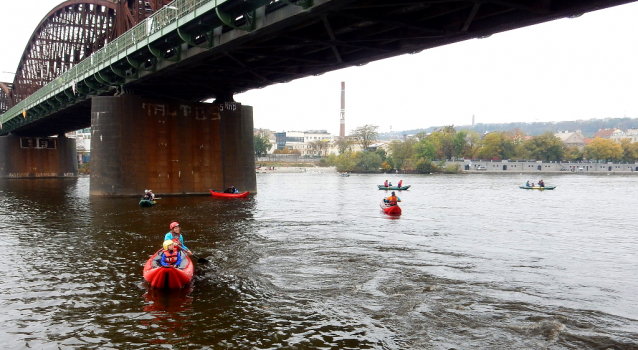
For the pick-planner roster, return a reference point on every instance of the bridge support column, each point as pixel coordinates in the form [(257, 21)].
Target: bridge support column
[(171, 147), (37, 157)]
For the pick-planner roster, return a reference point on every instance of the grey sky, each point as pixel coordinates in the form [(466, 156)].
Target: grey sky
[(567, 69)]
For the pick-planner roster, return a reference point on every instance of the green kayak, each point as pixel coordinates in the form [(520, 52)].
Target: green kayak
[(537, 187), (146, 203), (402, 188)]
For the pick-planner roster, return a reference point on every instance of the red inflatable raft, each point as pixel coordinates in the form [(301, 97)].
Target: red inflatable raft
[(168, 277), (390, 209), (229, 195)]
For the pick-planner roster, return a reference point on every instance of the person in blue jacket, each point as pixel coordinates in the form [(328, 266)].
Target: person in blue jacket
[(176, 236)]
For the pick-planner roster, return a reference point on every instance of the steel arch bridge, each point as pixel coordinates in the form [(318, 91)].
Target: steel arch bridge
[(193, 50), (68, 34)]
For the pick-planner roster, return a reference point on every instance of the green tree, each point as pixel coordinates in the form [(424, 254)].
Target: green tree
[(425, 166), (368, 161), (572, 154), (366, 135), (425, 149), (603, 149), (545, 147), (459, 142), (473, 141), (402, 152), (261, 142), (443, 140), (346, 161)]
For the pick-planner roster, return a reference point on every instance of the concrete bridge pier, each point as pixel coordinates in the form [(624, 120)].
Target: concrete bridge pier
[(172, 147), (37, 157)]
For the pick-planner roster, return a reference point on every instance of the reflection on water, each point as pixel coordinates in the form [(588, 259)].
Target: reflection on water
[(171, 310), (312, 262)]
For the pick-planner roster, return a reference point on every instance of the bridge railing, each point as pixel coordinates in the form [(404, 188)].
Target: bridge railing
[(140, 34)]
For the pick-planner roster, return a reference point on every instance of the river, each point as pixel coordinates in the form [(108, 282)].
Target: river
[(311, 262)]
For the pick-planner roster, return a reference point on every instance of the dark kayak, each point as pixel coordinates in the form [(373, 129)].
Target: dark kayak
[(146, 203)]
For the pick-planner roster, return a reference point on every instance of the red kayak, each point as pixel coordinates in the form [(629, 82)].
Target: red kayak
[(229, 195), (390, 209), (168, 277)]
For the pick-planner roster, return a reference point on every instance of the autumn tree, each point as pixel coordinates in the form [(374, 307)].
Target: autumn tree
[(366, 135), (603, 149), (402, 152), (629, 150), (491, 146)]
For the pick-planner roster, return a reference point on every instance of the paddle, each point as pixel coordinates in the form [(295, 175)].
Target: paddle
[(200, 260)]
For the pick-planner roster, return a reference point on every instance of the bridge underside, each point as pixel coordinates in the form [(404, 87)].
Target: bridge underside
[(292, 43), (281, 41)]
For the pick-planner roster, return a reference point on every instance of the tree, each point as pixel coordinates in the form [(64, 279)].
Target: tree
[(629, 150), (344, 144), (402, 152), (346, 161), (491, 146), (443, 140), (424, 149), (603, 149), (368, 161), (320, 146), (365, 135), (262, 143), (572, 153), (545, 147)]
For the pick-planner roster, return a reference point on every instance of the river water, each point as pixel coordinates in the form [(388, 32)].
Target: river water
[(311, 262)]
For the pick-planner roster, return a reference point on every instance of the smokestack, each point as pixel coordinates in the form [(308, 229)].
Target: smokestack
[(342, 130)]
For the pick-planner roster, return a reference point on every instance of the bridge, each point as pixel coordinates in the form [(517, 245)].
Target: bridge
[(140, 69)]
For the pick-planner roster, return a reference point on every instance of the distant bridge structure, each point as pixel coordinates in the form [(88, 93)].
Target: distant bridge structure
[(117, 64)]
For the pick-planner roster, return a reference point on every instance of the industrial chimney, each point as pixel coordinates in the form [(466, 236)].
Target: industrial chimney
[(342, 130)]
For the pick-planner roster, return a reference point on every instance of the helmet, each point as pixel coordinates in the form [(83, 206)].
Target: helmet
[(145, 191), (167, 243), (173, 224)]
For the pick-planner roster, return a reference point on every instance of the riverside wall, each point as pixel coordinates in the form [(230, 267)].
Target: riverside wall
[(540, 167)]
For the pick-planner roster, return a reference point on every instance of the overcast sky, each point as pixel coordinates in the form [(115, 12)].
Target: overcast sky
[(569, 69)]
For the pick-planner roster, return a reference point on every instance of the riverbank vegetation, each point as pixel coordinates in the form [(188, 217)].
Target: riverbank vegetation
[(426, 153)]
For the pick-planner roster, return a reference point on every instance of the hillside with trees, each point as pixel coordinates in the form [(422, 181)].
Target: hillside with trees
[(587, 127)]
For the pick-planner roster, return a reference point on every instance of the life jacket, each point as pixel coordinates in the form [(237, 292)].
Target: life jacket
[(392, 201), (171, 256), (177, 243)]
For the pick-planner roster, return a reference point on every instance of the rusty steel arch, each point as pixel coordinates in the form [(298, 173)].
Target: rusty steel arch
[(70, 33), (5, 97)]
